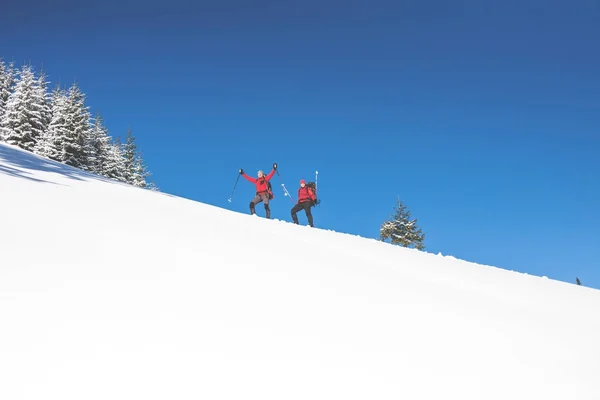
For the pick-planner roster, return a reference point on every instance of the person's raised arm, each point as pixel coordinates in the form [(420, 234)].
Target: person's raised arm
[(249, 178), (272, 172)]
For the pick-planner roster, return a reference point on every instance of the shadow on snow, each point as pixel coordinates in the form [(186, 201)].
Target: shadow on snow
[(19, 158)]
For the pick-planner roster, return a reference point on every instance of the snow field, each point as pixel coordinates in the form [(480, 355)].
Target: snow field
[(111, 291)]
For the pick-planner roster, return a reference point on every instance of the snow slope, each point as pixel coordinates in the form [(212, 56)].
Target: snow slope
[(113, 292)]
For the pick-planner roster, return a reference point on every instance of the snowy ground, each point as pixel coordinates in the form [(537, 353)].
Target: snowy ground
[(113, 292)]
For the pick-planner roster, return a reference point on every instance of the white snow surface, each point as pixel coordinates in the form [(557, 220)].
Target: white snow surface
[(108, 291)]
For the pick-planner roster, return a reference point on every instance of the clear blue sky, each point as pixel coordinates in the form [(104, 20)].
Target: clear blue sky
[(483, 116)]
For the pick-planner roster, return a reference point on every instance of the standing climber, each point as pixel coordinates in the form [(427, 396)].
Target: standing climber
[(263, 190), (306, 199)]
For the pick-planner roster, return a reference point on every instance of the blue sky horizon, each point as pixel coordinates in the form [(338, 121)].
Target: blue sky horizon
[(483, 118)]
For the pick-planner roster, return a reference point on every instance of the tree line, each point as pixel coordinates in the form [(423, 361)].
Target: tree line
[(58, 125)]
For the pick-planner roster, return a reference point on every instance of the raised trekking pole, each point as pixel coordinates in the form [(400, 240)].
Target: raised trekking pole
[(236, 182), (317, 184)]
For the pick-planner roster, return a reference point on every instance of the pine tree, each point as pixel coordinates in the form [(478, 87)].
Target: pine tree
[(51, 143), (115, 162), (135, 170), (402, 230), (140, 173), (577, 281), (96, 147), (7, 81), (23, 120), (77, 127), (129, 154), (45, 102)]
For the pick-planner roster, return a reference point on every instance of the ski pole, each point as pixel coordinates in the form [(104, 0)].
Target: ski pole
[(236, 182), (317, 183), (286, 193)]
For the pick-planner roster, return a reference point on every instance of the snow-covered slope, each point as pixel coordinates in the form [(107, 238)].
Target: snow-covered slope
[(112, 292)]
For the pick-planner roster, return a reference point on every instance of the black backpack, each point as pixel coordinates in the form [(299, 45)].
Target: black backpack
[(313, 187)]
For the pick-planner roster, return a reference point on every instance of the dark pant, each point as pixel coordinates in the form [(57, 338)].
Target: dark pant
[(260, 197), (306, 206)]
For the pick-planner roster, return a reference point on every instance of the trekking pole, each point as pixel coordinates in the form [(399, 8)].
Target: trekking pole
[(236, 182), (286, 193), (317, 183)]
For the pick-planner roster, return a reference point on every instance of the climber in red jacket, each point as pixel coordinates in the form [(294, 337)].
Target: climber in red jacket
[(263, 193), (306, 199)]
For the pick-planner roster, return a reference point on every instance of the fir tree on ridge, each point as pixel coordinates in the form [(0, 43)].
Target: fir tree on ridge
[(23, 119), (115, 161), (7, 81), (96, 146), (45, 101), (51, 143), (401, 229), (129, 153), (77, 126), (134, 168)]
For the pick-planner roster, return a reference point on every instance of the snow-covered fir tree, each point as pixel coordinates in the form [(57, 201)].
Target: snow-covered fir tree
[(23, 120), (135, 170), (52, 141), (115, 162), (96, 146), (45, 101), (140, 173), (129, 154), (7, 80), (402, 230), (77, 127), (21, 123)]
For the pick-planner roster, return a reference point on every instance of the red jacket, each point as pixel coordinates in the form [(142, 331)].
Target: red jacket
[(261, 183), (305, 194)]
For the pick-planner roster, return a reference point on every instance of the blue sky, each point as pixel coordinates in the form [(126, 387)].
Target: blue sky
[(483, 117)]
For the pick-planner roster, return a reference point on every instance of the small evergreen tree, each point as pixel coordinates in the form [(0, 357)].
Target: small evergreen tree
[(577, 281), (23, 121), (402, 230), (153, 187)]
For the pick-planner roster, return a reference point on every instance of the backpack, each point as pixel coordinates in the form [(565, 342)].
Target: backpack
[(313, 187), (269, 190)]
